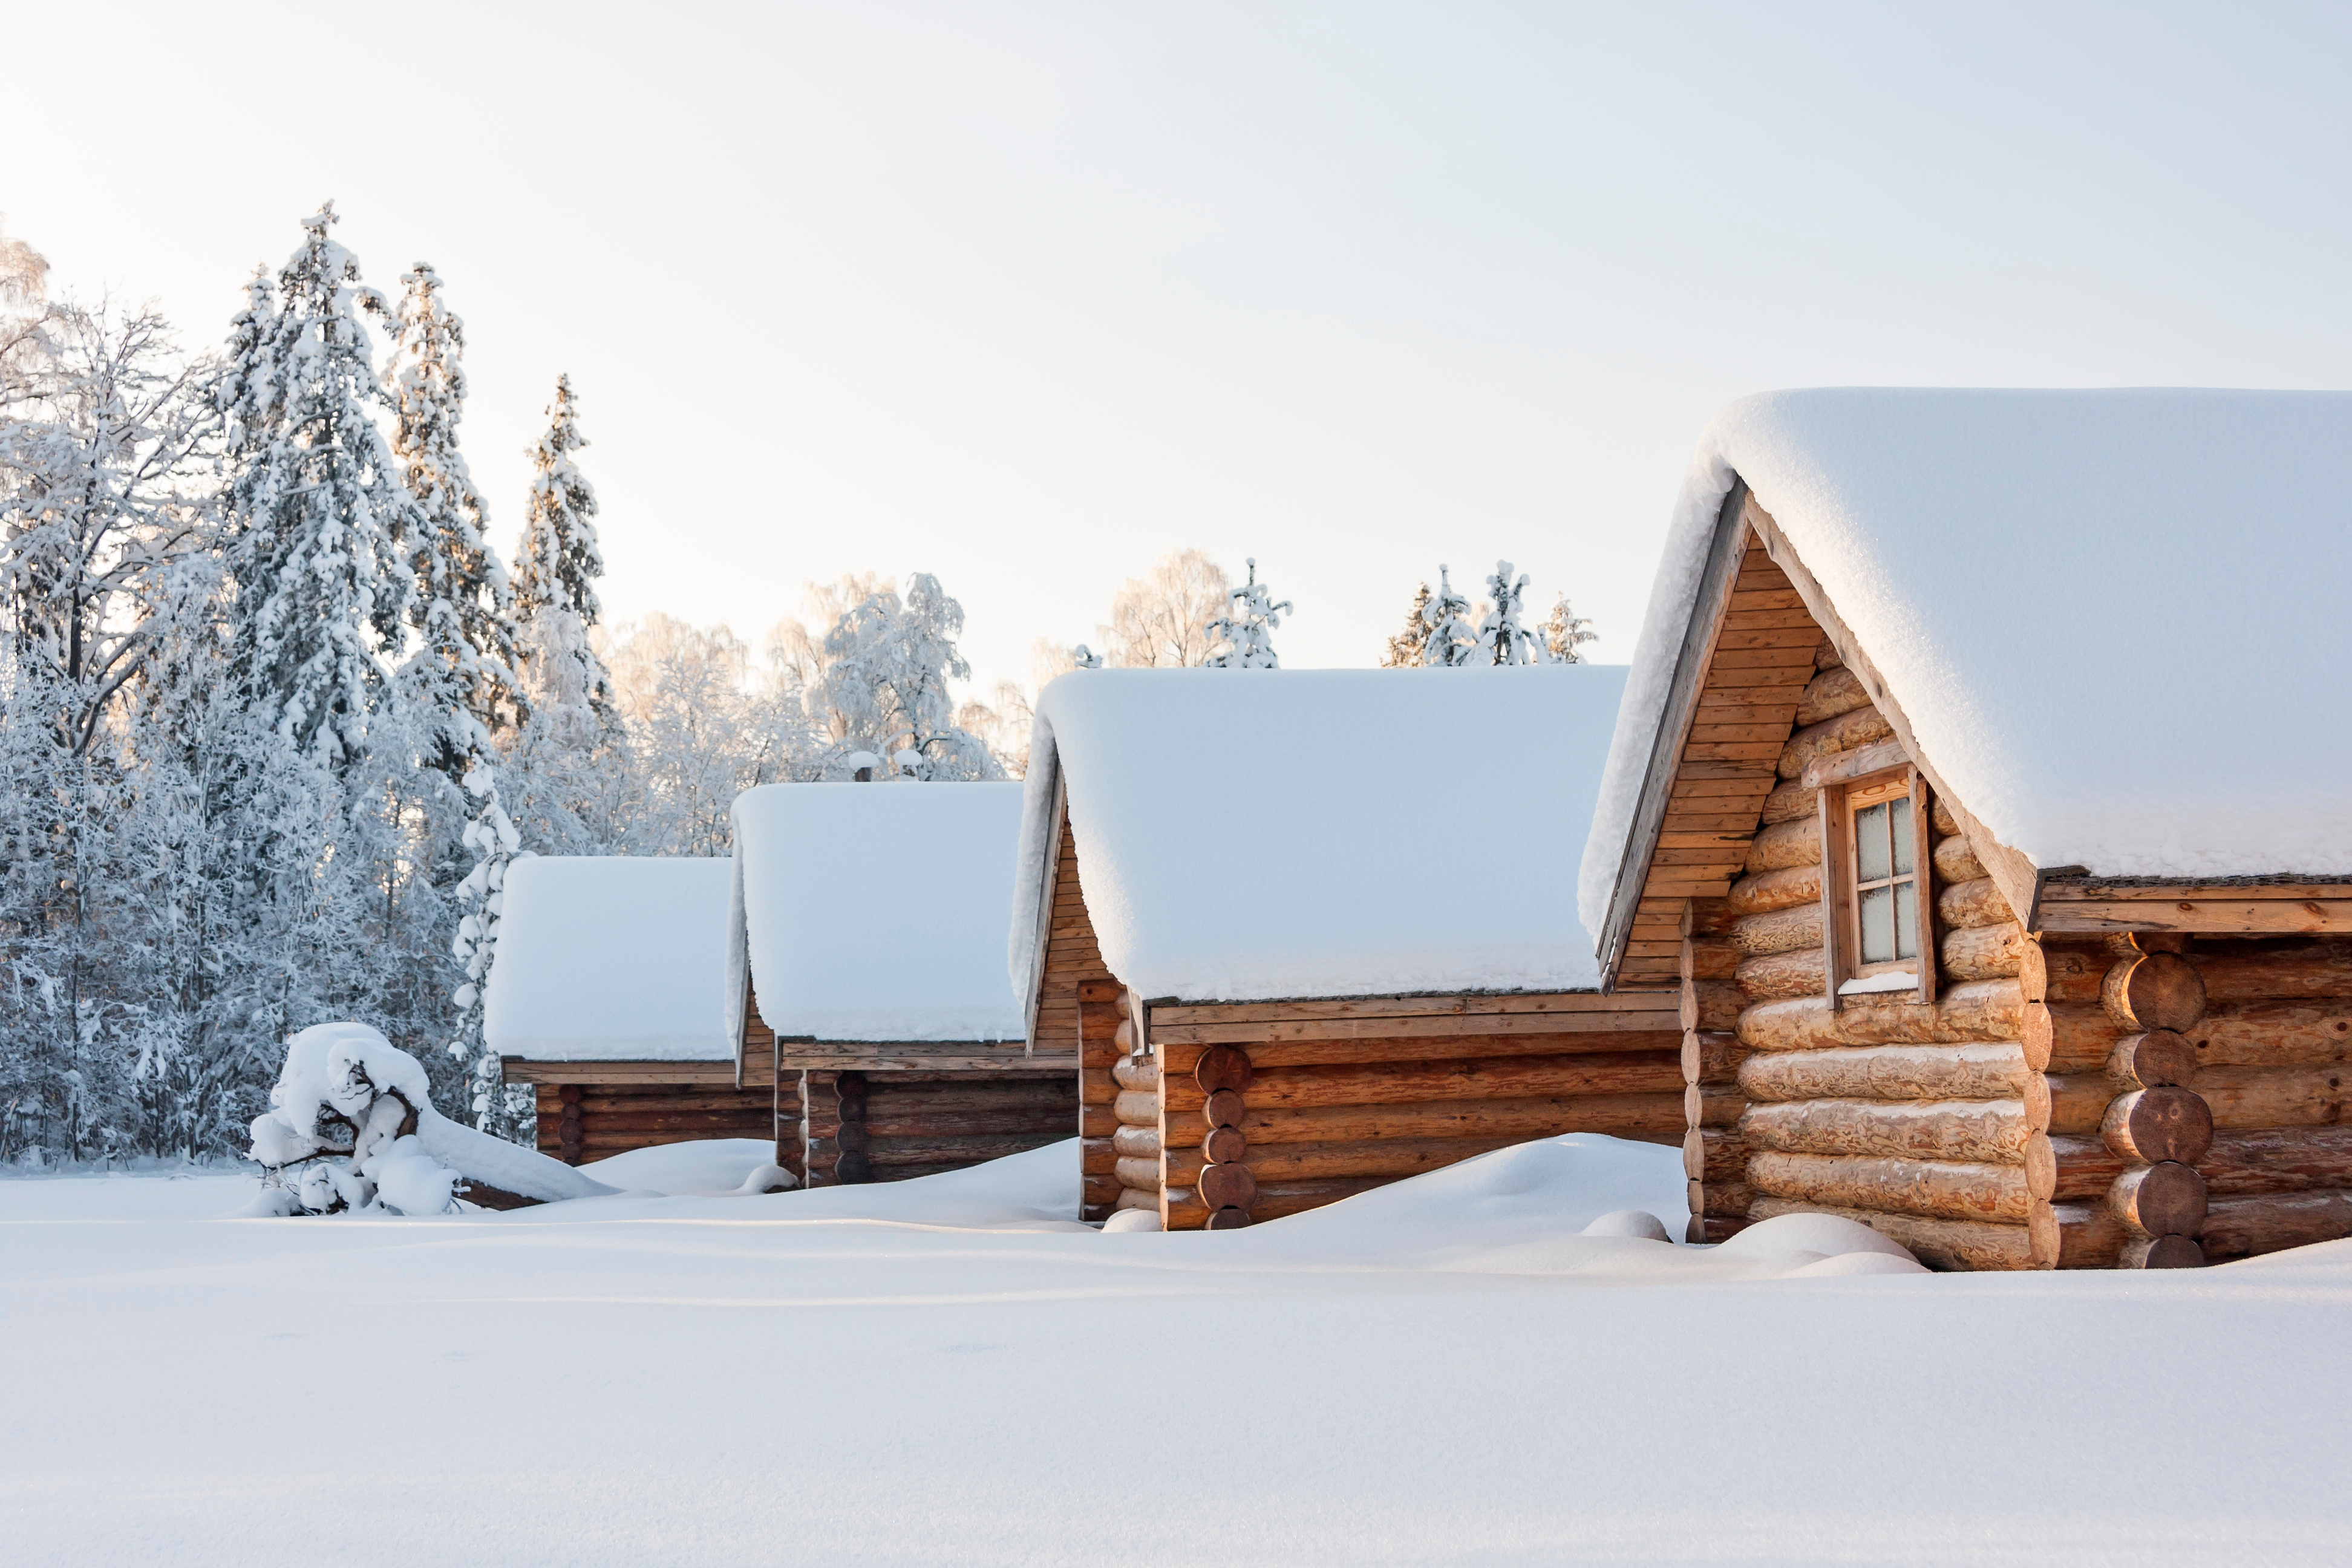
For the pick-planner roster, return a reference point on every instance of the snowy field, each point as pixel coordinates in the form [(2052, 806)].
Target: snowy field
[(948, 1371)]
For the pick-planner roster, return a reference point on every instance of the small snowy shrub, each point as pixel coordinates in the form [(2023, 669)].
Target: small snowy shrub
[(341, 1133)]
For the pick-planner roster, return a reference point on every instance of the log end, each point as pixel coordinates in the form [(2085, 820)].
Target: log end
[(2163, 1252)]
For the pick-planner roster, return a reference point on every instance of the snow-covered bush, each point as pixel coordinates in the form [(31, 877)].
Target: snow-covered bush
[(351, 1129), (1242, 636)]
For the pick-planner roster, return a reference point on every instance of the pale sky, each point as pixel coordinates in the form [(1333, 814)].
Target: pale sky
[(1025, 295)]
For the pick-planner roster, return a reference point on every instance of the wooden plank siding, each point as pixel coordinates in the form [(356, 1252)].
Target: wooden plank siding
[(1072, 965)]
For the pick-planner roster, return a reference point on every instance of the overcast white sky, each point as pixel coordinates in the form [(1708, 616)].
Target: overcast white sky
[(1025, 295)]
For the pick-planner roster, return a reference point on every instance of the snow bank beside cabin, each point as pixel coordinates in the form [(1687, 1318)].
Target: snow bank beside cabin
[(2111, 617), (611, 958), (875, 911), (1247, 835), (351, 1127)]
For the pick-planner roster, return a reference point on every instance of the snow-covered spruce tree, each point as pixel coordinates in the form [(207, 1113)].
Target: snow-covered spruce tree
[(573, 785), (1404, 648), (1504, 636), (458, 685), (320, 521), (884, 687), (1567, 631), (1448, 640), (1243, 635)]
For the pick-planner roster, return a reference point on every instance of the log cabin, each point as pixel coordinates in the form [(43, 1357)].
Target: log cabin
[(609, 994), (866, 939), (1310, 932), (1984, 784)]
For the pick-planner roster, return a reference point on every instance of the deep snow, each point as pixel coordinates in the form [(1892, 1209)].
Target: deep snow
[(1281, 833), (1979, 543), (945, 1371)]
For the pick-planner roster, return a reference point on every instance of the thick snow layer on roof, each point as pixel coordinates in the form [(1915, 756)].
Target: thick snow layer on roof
[(2111, 617), (611, 958), (877, 912), (1279, 833)]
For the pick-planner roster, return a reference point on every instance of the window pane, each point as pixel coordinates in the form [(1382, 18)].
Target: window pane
[(1898, 824), (1906, 918), (1878, 925), (1870, 859)]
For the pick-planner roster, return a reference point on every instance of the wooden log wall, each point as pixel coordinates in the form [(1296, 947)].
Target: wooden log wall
[(892, 1125), (792, 1123), (2272, 1058), (579, 1122), (1249, 1111), (1101, 1050)]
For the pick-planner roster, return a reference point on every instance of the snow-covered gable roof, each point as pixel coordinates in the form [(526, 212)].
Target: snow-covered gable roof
[(877, 912), (2110, 618), (1252, 834), (611, 958)]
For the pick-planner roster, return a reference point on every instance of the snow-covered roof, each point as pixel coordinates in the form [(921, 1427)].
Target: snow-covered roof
[(1247, 834), (2110, 617), (611, 958), (877, 912)]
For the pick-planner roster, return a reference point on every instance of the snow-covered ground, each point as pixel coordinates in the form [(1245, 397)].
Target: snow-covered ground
[(950, 1371)]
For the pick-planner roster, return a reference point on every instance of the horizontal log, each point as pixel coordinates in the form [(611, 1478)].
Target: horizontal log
[(1978, 1011), (704, 1123), (1138, 1198), (974, 1123), (1712, 1105), (1276, 1200), (1140, 1174), (713, 1074), (1137, 1108), (1715, 1154), (1099, 1054), (2277, 1160), (2086, 1167), (2075, 972), (1984, 952), (1966, 905), (1790, 801), (1100, 1120), (1632, 1010), (1177, 1060), (2089, 1234), (1934, 1188), (1650, 1118), (2080, 1036), (1142, 1075), (2244, 1098), (1948, 1244), (1776, 976), (1848, 731), (1708, 958), (933, 1092), (2276, 971), (1955, 862), (1780, 931), (1768, 890), (1970, 1131), (967, 1150), (763, 1099), (1845, 767), (1710, 1004), (938, 1060), (2150, 1125), (2257, 910), (1940, 818), (2078, 1101), (1390, 1157), (1136, 1142), (1989, 1071), (1834, 692), (1096, 1156), (1720, 1200), (1098, 1087), (1712, 1055), (2164, 1199), (2248, 1226), (1169, 1018), (1785, 844), (1491, 1077), (2273, 1033)]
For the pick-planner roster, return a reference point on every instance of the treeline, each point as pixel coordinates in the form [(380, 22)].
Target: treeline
[(274, 715)]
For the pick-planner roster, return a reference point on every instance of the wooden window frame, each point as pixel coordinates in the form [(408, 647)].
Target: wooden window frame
[(1840, 909)]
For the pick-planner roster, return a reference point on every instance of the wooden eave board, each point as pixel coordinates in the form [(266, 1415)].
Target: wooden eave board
[(1432, 1005), (1750, 675), (721, 1074), (2245, 906)]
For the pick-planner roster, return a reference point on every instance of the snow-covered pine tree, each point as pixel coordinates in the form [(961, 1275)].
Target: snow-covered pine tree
[(1244, 634), (1504, 636), (458, 685), (1448, 640), (555, 601), (1566, 632), (884, 688), (1405, 648)]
